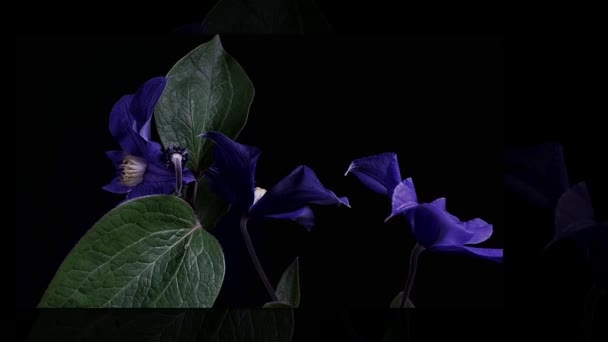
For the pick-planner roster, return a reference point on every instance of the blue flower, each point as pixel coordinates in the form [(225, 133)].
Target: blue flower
[(142, 166), (433, 226), (232, 176)]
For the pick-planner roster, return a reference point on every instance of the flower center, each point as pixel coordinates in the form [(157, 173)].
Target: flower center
[(258, 193), (133, 169)]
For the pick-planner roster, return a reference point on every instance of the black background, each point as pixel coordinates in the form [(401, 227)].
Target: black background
[(322, 101)]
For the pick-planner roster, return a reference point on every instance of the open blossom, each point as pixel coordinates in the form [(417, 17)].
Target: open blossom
[(232, 176), (143, 167), (433, 226)]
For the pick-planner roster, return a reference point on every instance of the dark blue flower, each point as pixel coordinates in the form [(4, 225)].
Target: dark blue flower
[(140, 166), (232, 176), (433, 226)]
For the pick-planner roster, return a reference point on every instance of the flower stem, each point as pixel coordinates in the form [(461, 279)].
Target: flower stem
[(411, 273), (194, 193), (256, 261)]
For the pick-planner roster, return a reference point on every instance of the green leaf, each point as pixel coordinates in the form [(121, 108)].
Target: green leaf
[(207, 90), (210, 206), (396, 303), (147, 252), (163, 325), (266, 17), (288, 289)]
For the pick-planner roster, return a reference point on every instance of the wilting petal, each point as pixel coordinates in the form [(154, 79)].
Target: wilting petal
[(432, 226), (156, 188), (115, 186), (124, 129), (233, 171), (300, 188), (404, 198), (380, 173), (303, 216), (537, 173), (494, 254), (144, 101), (574, 213)]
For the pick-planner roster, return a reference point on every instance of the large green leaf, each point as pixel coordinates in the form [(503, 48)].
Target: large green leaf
[(396, 303), (164, 325), (148, 252), (207, 90)]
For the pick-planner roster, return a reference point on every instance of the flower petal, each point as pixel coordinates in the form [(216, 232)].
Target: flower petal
[(380, 173), (481, 230), (116, 157), (144, 101), (494, 254), (151, 188), (439, 203), (404, 198), (303, 216), (115, 186), (432, 226), (299, 188), (232, 174), (124, 128)]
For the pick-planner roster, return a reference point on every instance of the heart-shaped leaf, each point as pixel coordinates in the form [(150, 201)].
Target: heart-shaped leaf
[(147, 252)]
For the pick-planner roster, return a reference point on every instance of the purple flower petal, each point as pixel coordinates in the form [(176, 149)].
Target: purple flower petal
[(432, 226), (404, 198), (300, 188), (154, 188), (380, 173), (481, 230), (303, 216), (494, 254), (144, 101), (116, 157), (440, 203), (124, 129), (232, 174), (115, 186)]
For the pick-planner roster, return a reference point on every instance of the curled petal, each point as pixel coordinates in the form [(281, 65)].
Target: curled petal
[(232, 174), (404, 198), (380, 173), (300, 188), (432, 226), (481, 230), (303, 216)]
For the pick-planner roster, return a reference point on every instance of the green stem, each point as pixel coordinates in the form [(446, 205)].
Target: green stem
[(411, 273), (256, 261)]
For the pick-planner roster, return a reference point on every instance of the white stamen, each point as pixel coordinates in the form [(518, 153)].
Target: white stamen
[(258, 193), (133, 169), (176, 159)]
